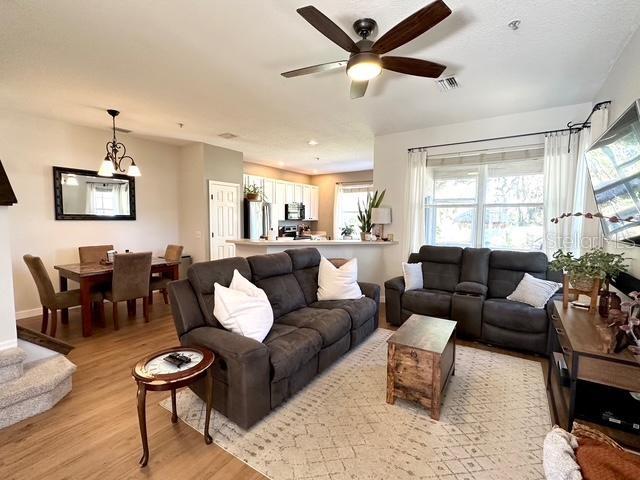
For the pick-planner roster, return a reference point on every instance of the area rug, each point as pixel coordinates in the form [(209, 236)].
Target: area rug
[(492, 425)]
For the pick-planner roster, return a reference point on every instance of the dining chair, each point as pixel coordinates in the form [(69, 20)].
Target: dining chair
[(93, 253), (131, 275), (173, 253), (50, 300)]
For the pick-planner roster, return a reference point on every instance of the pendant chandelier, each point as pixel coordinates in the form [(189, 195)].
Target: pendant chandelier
[(116, 155)]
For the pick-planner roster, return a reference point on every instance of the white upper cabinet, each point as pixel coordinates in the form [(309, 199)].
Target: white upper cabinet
[(297, 192), (279, 192), (269, 190), (314, 204), (289, 192)]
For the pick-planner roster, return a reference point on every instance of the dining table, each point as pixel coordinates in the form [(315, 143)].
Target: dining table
[(88, 275)]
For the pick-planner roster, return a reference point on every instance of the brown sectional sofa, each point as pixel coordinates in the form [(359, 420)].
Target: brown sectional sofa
[(251, 378), (470, 286)]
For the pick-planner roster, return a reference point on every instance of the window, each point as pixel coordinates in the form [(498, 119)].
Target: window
[(495, 205), (346, 206)]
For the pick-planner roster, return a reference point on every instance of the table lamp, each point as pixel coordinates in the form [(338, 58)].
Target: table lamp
[(381, 216)]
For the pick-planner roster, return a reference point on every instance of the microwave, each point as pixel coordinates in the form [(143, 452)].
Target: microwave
[(294, 211)]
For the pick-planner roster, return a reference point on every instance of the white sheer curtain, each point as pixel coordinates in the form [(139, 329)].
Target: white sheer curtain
[(560, 169), (415, 184), (90, 204), (591, 230)]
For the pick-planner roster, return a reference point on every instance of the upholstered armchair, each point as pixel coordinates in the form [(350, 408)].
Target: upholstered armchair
[(49, 298), (131, 274)]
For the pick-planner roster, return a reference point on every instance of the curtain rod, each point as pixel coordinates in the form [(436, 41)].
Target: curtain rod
[(571, 128)]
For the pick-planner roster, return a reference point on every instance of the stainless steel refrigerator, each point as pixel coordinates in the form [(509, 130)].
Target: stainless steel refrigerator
[(257, 219)]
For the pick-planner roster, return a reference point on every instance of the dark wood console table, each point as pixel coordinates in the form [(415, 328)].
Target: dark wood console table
[(581, 338)]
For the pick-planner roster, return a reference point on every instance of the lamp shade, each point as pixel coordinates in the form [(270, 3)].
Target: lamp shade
[(381, 216)]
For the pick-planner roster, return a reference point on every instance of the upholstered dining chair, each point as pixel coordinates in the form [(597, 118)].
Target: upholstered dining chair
[(93, 253), (173, 253), (131, 274), (50, 300)]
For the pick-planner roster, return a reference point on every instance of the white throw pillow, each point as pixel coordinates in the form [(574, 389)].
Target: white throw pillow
[(243, 308), (338, 283), (412, 275), (534, 291)]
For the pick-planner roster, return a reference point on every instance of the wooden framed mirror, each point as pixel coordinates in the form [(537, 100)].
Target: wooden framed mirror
[(83, 195)]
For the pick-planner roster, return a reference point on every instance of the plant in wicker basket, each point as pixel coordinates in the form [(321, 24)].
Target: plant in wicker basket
[(582, 271)]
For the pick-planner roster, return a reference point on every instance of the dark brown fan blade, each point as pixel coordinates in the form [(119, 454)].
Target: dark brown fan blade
[(411, 27), (413, 66), (323, 67), (358, 89), (329, 29)]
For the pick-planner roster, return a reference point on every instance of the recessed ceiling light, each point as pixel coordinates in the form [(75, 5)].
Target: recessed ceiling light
[(313, 142), (281, 164), (514, 24), (227, 135), (315, 172)]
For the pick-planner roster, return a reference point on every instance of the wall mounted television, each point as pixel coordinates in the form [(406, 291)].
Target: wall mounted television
[(614, 167)]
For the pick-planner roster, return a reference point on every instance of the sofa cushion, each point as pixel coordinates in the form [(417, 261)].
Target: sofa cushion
[(475, 265), (204, 275), (290, 348), (506, 270), (360, 310), (440, 266), (274, 274), (435, 303), (305, 268), (516, 316), (332, 325)]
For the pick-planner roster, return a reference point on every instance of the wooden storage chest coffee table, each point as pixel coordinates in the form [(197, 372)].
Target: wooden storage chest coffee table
[(421, 358)]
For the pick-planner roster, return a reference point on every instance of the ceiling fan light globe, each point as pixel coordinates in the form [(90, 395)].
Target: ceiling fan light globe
[(106, 168), (363, 67)]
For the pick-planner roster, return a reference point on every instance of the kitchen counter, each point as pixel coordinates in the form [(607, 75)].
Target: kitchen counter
[(369, 254)]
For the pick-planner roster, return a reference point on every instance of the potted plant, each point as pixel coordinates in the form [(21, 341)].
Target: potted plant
[(252, 192), (364, 213), (583, 271), (347, 232)]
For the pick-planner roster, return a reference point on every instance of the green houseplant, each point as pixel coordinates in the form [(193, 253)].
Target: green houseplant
[(347, 232), (582, 271), (364, 212), (252, 192)]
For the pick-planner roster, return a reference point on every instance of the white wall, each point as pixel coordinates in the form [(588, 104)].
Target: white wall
[(29, 147), (390, 156), (199, 163), (622, 87), (7, 310)]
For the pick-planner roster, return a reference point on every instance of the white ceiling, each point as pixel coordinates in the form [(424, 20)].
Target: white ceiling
[(215, 66)]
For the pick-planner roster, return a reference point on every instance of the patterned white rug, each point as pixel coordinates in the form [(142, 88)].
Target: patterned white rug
[(494, 418)]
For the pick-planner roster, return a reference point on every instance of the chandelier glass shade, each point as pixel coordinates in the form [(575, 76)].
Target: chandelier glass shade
[(115, 160)]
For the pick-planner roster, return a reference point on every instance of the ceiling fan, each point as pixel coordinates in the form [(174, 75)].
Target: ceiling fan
[(365, 61)]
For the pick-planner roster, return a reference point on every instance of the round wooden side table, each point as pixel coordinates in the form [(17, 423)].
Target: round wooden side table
[(154, 373)]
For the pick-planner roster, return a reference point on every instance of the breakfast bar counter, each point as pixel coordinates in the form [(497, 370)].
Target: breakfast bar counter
[(369, 254)]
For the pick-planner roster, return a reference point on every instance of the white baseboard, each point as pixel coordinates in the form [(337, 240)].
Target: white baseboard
[(12, 343), (33, 312)]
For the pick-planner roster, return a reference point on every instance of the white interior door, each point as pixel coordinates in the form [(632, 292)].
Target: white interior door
[(224, 218)]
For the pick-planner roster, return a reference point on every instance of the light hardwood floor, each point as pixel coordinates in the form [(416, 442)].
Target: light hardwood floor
[(93, 432)]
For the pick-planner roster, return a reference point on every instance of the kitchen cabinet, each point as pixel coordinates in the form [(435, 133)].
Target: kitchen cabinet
[(306, 201), (289, 192), (297, 192), (268, 190), (279, 192), (314, 203)]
